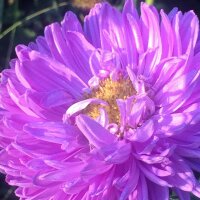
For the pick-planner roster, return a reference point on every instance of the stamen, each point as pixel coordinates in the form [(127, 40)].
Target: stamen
[(109, 91)]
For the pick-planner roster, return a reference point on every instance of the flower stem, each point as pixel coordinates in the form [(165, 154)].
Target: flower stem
[(40, 12)]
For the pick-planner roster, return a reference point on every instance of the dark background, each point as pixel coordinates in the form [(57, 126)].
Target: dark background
[(21, 22)]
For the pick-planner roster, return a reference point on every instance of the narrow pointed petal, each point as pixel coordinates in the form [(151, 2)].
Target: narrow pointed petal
[(94, 132)]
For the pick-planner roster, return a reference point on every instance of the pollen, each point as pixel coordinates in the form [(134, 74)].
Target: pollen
[(109, 91)]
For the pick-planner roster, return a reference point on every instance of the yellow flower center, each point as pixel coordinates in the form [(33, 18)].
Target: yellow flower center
[(109, 91), (85, 4)]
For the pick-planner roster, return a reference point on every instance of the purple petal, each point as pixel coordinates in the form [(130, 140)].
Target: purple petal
[(129, 7), (91, 25), (117, 153), (81, 105), (94, 168), (53, 132), (182, 194), (167, 36), (69, 49), (141, 190), (150, 28), (142, 133), (158, 192), (50, 178), (153, 177), (174, 90), (57, 76), (183, 178), (94, 132), (131, 183), (71, 23)]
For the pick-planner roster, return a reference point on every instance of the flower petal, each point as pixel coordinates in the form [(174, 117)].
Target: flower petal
[(142, 133), (94, 132)]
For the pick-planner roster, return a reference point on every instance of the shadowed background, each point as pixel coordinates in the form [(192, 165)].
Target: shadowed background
[(21, 21)]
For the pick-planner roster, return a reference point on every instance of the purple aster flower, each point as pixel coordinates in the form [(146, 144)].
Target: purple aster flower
[(109, 111)]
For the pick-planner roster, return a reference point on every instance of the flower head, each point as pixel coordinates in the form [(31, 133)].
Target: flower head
[(110, 110), (85, 4)]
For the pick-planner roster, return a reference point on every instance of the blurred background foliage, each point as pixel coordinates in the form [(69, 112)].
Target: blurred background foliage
[(21, 21)]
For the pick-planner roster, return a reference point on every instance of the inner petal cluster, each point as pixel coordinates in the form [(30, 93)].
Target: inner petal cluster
[(109, 91)]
